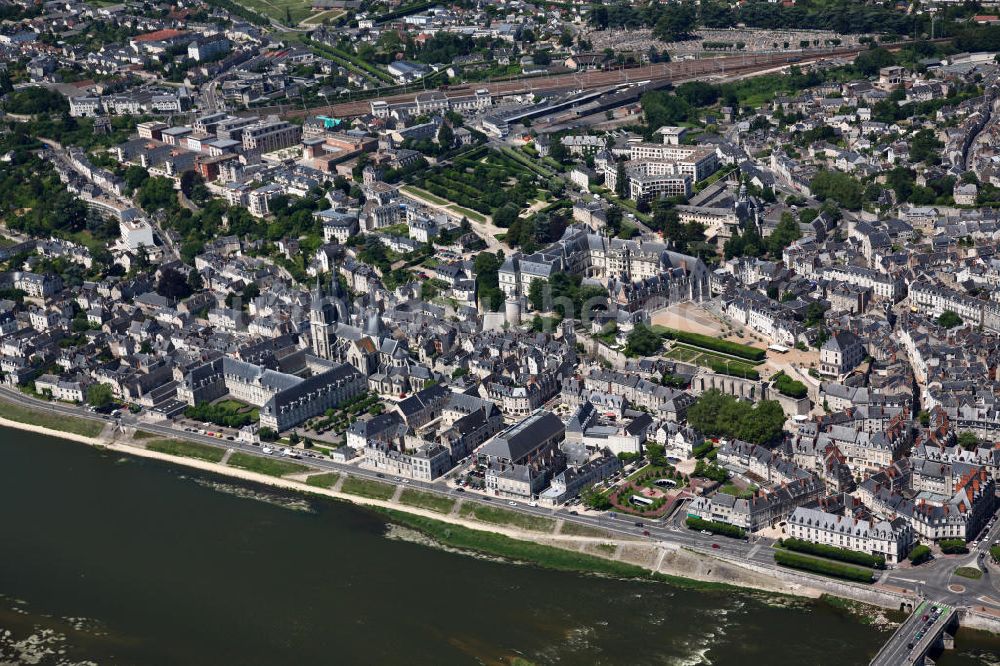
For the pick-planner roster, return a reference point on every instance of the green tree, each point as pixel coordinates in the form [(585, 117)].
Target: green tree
[(595, 500), (194, 280), (920, 554), (621, 182), (968, 440), (487, 266), (786, 231), (506, 215), (839, 187), (446, 136), (558, 151), (717, 414), (189, 180), (677, 22), (642, 341), (99, 395), (949, 319), (867, 63), (925, 147), (173, 284), (536, 294)]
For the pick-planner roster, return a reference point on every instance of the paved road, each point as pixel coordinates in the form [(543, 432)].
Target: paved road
[(677, 72), (937, 580), (898, 652)]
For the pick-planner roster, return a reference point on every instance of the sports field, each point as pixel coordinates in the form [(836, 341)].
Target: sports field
[(319, 17), (298, 10)]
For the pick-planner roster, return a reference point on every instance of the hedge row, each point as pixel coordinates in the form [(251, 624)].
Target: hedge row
[(734, 369), (834, 553), (697, 523), (825, 567), (702, 450), (920, 554), (790, 387), (953, 546), (715, 344)]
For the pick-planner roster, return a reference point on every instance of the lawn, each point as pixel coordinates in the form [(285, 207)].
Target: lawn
[(330, 14), (438, 201), (176, 447), (969, 572), (423, 194), (298, 10), (140, 435), (76, 426), (575, 529), (327, 480), (707, 359), (682, 354), (431, 501), (268, 466), (715, 345), (736, 491), (530, 163), (367, 488), (490, 514), (471, 214)]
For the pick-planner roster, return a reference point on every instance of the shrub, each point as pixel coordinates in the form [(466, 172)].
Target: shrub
[(953, 546), (710, 471), (715, 344), (834, 553), (920, 554), (723, 529), (702, 450), (788, 386), (741, 370), (825, 567)]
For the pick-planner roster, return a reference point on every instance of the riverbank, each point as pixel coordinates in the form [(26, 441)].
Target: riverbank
[(606, 554)]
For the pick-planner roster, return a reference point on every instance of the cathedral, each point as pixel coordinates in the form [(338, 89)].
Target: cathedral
[(354, 333), (335, 322)]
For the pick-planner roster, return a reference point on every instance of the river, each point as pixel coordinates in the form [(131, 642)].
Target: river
[(117, 560)]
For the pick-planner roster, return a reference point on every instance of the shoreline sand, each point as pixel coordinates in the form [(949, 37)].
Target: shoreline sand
[(662, 558)]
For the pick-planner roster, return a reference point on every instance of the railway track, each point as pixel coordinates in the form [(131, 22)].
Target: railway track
[(658, 74), (655, 73)]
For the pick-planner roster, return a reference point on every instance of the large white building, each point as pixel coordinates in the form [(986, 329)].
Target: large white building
[(136, 234), (270, 134), (890, 539)]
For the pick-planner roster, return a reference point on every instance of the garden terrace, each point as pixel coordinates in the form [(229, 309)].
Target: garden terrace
[(483, 181)]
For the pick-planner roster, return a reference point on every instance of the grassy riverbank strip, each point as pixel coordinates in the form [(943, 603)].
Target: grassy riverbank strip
[(429, 501), (365, 488), (267, 466), (550, 557), (16, 412), (491, 514), (176, 447), (325, 480)]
